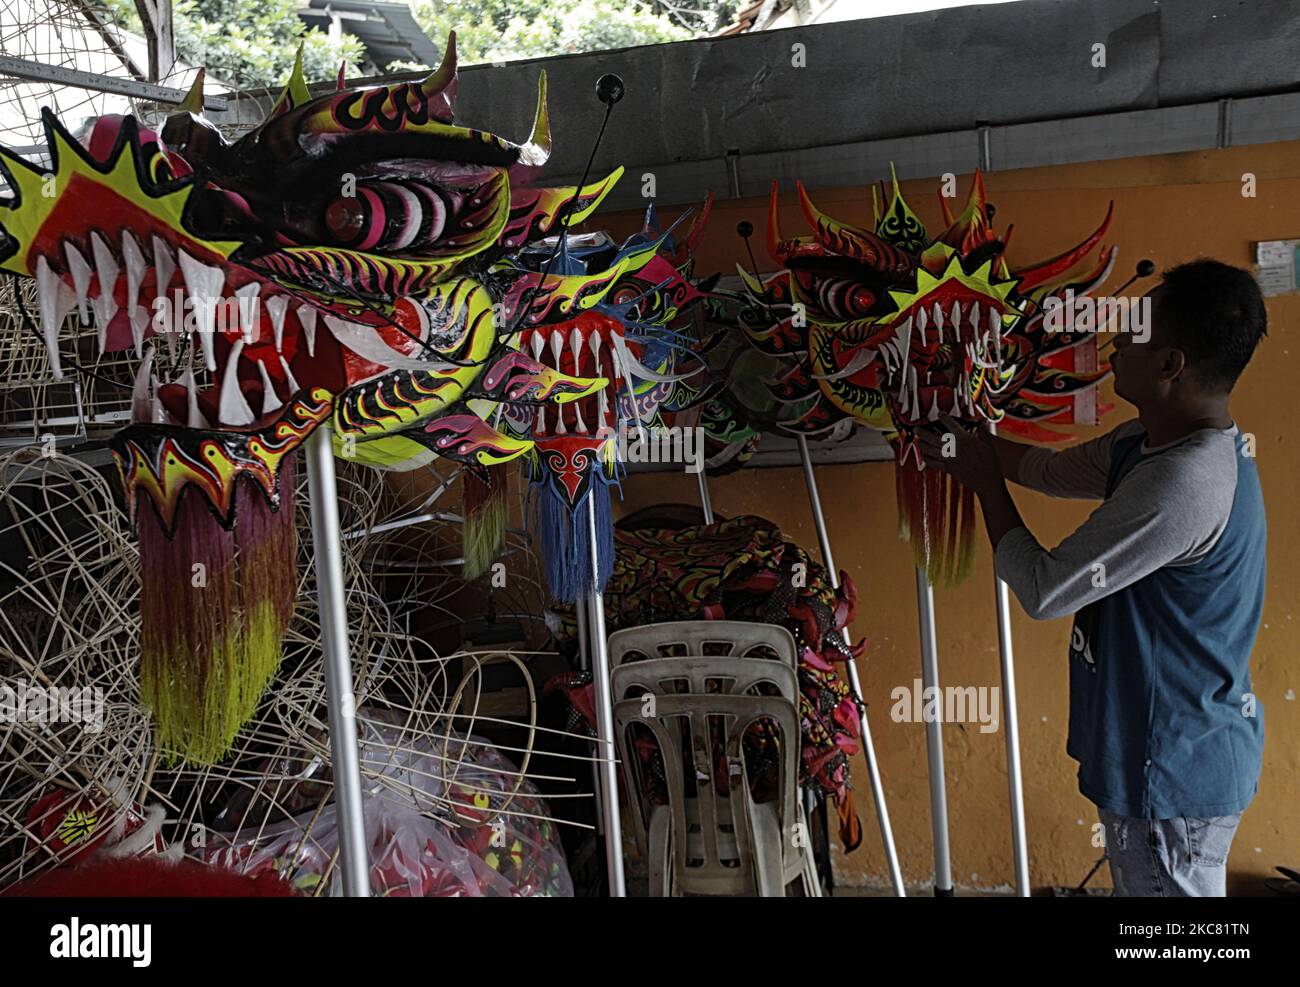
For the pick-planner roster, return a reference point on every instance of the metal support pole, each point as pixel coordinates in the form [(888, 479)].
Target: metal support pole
[(604, 716), (584, 662), (706, 503), (868, 748), (354, 852), (934, 738), (1011, 723), (1015, 784)]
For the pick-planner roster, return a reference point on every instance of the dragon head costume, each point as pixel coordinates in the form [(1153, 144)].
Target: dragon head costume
[(345, 263), (895, 327)]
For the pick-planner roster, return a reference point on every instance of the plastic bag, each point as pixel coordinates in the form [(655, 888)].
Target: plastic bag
[(494, 836)]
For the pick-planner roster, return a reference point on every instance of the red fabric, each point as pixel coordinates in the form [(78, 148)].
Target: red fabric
[(147, 877)]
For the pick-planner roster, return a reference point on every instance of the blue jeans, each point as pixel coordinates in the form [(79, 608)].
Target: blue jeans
[(1183, 857)]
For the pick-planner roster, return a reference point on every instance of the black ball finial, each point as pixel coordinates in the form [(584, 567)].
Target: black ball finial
[(609, 89), (745, 228), (1146, 268)]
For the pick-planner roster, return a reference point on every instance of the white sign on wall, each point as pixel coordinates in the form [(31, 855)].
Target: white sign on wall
[(1276, 267)]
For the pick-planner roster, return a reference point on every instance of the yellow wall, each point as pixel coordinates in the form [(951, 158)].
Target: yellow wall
[(1169, 208)]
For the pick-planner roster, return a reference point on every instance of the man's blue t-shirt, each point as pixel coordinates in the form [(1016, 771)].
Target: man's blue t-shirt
[(1168, 580)]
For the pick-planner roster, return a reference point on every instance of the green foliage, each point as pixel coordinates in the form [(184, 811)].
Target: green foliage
[(502, 30), (249, 43)]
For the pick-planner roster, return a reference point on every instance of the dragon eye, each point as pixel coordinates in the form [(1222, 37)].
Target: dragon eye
[(844, 298), (387, 216)]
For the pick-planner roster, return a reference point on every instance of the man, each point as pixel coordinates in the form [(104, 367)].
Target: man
[(1166, 579)]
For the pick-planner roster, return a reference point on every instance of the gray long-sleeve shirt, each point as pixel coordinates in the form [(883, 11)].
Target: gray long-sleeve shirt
[(1168, 510)]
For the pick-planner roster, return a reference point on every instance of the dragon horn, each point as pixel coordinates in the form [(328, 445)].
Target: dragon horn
[(295, 91), (1037, 274), (441, 85), (775, 242), (851, 241), (537, 149), (193, 101)]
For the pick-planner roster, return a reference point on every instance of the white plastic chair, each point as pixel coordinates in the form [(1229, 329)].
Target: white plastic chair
[(708, 842)]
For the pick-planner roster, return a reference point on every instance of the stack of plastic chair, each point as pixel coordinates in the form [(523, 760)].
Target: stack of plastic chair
[(696, 688)]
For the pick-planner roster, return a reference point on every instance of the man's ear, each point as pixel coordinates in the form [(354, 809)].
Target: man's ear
[(1173, 364)]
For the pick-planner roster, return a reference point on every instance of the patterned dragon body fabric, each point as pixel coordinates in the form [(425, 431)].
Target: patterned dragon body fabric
[(744, 569), (345, 262), (894, 327)]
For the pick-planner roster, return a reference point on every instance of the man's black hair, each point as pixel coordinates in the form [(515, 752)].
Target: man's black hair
[(1215, 314)]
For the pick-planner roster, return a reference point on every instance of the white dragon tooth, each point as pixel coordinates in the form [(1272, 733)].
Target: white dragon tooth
[(164, 265), (922, 320), (541, 418), (938, 318), (593, 344), (955, 317), (56, 300), (536, 343), (270, 400), (974, 317), (579, 425), (575, 347), (903, 340), (106, 270), (233, 408), (204, 284), (195, 418), (557, 344), (139, 323), (916, 393), (288, 375), (135, 268), (158, 412), (80, 272), (141, 389), (307, 319), (277, 306), (933, 414), (247, 300)]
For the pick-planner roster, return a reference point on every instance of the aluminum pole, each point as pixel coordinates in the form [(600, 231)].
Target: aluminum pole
[(934, 738), (604, 716), (868, 748), (1015, 783), (1011, 723), (354, 848), (706, 503), (584, 662)]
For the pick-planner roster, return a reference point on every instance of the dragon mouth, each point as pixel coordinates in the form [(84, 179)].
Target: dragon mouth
[(587, 351), (937, 355), (218, 346)]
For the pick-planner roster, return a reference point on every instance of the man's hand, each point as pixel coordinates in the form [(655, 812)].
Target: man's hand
[(972, 459)]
